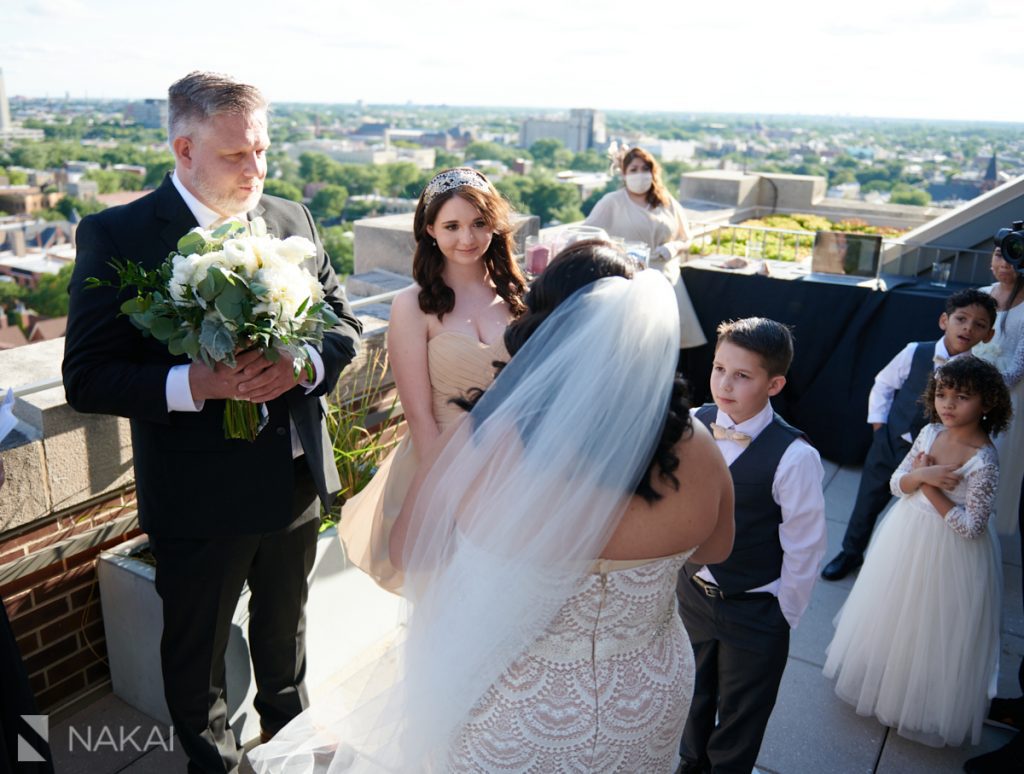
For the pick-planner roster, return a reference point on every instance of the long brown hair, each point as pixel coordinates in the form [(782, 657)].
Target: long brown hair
[(657, 195), (428, 261)]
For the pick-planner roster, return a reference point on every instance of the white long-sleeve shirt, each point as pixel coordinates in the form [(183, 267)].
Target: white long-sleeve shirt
[(890, 380), (177, 388), (797, 490)]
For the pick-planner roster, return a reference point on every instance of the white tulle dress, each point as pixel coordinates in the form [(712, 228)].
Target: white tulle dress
[(917, 642)]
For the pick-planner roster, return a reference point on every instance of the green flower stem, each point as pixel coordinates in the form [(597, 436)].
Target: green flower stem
[(241, 419)]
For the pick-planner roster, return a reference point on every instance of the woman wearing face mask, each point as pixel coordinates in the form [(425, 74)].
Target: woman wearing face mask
[(644, 211)]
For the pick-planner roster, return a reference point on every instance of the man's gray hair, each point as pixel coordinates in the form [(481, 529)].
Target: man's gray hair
[(200, 95)]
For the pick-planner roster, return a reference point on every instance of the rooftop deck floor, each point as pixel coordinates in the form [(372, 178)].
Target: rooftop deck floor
[(811, 731)]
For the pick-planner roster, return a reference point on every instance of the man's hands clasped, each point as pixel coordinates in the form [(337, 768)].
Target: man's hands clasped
[(254, 378)]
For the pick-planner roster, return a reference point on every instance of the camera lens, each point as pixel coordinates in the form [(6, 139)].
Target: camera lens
[(1012, 248)]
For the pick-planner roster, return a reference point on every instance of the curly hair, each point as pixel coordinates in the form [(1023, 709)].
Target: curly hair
[(657, 195), (435, 297), (971, 374), (577, 266)]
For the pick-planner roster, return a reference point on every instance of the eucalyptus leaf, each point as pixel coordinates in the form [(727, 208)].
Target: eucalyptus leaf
[(162, 328), (229, 306), (175, 344), (207, 289), (190, 344), (132, 306), (227, 230), (192, 242)]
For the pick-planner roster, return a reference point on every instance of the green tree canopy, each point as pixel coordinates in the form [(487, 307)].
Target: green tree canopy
[(904, 194), (50, 297), (551, 153), (329, 202), (10, 292), (339, 244), (589, 161), (280, 188), (492, 150)]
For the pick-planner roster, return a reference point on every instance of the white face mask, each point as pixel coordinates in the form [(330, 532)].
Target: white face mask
[(639, 182)]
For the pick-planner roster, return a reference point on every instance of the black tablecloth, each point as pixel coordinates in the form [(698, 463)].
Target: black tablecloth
[(843, 336)]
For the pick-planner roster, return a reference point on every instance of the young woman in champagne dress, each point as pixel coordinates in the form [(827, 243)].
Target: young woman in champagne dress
[(444, 336)]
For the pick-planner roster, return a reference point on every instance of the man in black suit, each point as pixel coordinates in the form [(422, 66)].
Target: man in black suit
[(219, 513)]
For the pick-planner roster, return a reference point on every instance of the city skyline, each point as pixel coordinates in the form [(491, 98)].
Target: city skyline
[(950, 60)]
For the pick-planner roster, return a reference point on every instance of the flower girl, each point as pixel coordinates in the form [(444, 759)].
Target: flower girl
[(917, 642)]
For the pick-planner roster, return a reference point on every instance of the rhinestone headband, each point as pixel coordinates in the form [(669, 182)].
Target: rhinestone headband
[(454, 178)]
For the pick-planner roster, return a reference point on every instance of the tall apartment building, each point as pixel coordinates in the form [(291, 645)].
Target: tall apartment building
[(150, 113), (5, 108), (583, 129)]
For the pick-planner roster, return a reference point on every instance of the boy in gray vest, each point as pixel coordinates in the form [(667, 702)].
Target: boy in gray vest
[(896, 414), (739, 613)]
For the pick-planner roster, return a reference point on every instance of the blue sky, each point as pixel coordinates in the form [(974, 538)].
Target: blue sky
[(952, 59)]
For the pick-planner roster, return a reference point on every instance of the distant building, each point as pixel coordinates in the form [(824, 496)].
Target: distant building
[(586, 182), (348, 152), (522, 166), (968, 185), (11, 336), (26, 199), (28, 269), (84, 189), (46, 329), (5, 108), (670, 150), (8, 130), (150, 113), (582, 130)]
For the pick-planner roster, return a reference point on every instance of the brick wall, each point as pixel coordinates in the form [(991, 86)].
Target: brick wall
[(48, 584)]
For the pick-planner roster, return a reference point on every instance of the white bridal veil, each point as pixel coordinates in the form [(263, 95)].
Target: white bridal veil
[(521, 501)]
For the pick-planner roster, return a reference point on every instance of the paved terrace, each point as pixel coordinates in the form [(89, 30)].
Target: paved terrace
[(811, 731)]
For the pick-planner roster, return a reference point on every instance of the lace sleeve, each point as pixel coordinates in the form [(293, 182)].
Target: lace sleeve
[(969, 520), (922, 443), (1015, 369)]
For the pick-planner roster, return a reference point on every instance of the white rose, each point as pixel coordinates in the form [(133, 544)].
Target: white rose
[(295, 249), (181, 276), (203, 263), (241, 257), (287, 288)]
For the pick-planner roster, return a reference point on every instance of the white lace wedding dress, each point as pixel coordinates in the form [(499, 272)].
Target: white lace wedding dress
[(606, 688)]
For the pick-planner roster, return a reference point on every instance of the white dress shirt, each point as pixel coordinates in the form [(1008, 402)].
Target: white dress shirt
[(177, 388), (890, 380), (797, 490)]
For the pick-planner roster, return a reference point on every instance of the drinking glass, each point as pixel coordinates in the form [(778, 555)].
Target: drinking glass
[(940, 274)]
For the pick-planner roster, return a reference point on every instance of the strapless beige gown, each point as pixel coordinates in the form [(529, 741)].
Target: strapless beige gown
[(456, 362)]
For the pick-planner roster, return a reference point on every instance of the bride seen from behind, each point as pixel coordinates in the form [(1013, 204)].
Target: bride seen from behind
[(540, 542)]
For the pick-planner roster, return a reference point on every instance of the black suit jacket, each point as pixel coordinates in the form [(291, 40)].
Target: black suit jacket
[(191, 481)]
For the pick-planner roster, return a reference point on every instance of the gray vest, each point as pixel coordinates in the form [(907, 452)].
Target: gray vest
[(756, 557), (907, 412)]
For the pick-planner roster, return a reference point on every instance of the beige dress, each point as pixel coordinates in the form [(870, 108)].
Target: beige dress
[(606, 688), (621, 217), (456, 362)]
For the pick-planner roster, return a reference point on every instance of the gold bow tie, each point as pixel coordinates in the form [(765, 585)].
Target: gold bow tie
[(939, 360), (729, 434)]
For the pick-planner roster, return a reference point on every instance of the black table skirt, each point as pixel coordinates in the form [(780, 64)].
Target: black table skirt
[(844, 335)]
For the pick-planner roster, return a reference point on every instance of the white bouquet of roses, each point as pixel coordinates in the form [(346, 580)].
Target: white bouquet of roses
[(225, 291)]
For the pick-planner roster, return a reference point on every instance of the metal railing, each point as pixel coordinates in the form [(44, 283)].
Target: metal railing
[(56, 381), (899, 256), (753, 241)]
